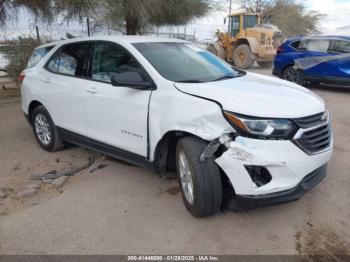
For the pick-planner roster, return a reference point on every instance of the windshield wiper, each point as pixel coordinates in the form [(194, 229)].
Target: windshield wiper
[(222, 78), (189, 81)]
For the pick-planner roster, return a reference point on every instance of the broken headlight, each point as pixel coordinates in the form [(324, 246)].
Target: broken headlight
[(262, 128)]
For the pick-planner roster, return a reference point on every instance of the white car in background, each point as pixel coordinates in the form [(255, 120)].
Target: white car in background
[(237, 139), (4, 56)]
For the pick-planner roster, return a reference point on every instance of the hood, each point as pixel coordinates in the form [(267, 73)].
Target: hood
[(259, 95)]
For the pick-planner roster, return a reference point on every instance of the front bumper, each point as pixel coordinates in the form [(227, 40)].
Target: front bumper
[(244, 202), (293, 172)]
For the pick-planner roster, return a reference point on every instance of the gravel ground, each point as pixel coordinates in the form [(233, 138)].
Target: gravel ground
[(122, 209)]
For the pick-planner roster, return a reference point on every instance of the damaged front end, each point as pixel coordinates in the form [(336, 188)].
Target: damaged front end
[(264, 172)]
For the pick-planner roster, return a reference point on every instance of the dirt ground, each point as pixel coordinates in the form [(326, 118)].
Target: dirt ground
[(123, 209)]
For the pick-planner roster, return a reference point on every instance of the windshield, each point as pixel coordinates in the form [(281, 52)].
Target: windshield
[(182, 62)]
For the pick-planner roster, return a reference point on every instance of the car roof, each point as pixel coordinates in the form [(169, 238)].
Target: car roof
[(323, 37), (126, 39)]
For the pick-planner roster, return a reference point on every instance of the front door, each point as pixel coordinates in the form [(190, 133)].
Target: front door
[(115, 115)]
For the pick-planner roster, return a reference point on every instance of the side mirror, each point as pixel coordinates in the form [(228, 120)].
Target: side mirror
[(225, 20), (130, 79)]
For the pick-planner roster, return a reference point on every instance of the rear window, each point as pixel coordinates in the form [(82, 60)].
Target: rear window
[(37, 55)]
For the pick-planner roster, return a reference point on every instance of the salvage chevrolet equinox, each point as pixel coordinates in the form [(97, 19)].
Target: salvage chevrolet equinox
[(237, 140)]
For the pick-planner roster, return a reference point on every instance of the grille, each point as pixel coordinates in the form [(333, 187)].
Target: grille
[(310, 121), (317, 136)]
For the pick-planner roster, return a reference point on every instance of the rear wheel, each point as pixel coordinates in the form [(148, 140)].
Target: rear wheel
[(44, 130), (293, 75), (200, 182), (266, 64), (242, 57)]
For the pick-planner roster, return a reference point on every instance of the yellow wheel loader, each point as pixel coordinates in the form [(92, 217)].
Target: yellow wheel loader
[(247, 41)]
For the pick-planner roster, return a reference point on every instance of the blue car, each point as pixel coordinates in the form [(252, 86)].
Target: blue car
[(322, 59)]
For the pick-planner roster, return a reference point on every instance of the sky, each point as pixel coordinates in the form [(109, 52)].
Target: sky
[(338, 15), (336, 21)]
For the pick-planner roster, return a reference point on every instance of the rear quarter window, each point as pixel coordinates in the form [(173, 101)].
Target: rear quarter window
[(340, 46), (295, 44), (38, 55)]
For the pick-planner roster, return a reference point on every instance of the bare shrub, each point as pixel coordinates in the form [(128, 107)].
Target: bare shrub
[(22, 49)]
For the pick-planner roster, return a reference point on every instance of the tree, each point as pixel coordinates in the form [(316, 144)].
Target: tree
[(48, 10), (129, 15), (21, 50), (255, 6), (290, 16), (134, 15)]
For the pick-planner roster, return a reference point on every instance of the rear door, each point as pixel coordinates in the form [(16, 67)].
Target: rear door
[(63, 84), (315, 48), (339, 67)]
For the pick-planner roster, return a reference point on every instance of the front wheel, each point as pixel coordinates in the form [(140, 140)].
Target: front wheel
[(200, 182), (293, 75), (242, 57)]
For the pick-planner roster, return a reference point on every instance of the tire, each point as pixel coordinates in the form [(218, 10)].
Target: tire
[(293, 75), (45, 131), (211, 48), (242, 57), (217, 50), (267, 64), (205, 178)]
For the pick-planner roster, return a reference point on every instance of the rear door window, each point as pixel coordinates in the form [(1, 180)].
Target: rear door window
[(38, 55), (319, 45), (71, 60), (54, 62)]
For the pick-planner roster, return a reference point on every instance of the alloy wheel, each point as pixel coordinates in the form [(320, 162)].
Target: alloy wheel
[(186, 178), (43, 129), (293, 75)]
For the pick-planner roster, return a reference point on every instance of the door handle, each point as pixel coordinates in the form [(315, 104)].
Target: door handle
[(92, 90), (46, 80)]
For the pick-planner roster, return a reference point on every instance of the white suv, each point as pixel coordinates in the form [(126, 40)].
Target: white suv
[(237, 140)]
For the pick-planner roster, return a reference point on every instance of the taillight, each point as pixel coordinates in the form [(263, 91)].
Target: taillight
[(21, 77), (280, 50)]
